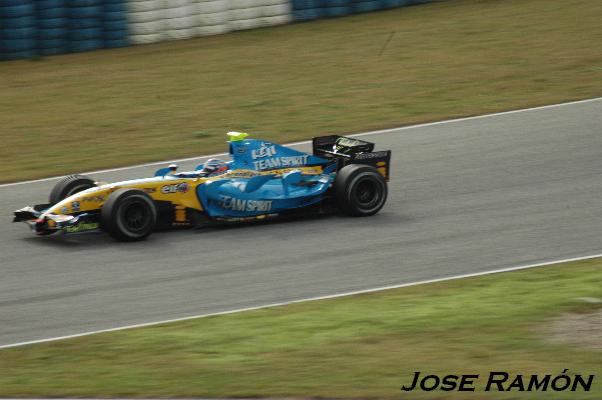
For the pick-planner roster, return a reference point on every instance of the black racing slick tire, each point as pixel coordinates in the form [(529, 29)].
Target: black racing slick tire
[(360, 190), (128, 215), (68, 186)]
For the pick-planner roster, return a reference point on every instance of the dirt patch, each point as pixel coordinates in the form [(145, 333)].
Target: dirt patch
[(578, 329)]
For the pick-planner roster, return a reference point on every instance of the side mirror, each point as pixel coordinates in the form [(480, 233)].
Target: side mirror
[(167, 170)]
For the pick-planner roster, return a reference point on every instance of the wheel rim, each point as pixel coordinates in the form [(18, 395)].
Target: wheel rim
[(136, 217), (367, 193)]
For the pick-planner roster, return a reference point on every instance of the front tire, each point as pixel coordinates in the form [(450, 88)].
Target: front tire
[(68, 186), (128, 215), (360, 190)]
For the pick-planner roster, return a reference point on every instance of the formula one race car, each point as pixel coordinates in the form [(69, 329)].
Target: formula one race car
[(263, 180)]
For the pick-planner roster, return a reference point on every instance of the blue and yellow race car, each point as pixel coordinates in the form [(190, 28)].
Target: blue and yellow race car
[(262, 180)]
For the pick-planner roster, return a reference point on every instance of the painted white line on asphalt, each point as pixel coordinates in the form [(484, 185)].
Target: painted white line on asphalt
[(382, 131), (284, 303)]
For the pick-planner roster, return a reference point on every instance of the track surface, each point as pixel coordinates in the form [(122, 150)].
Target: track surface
[(465, 196)]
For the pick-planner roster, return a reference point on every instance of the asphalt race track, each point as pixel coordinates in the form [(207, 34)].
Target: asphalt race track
[(465, 196)]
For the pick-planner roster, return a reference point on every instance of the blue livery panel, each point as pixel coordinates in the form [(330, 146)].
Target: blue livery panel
[(261, 155), (262, 194)]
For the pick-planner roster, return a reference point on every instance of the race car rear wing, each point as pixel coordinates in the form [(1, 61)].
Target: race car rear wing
[(347, 150)]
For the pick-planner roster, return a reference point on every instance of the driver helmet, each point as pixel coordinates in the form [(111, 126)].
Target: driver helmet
[(214, 166)]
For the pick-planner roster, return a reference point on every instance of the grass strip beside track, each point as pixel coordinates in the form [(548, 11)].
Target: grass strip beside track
[(110, 108), (364, 346)]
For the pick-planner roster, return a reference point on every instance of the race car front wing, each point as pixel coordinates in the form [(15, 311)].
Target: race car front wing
[(46, 224)]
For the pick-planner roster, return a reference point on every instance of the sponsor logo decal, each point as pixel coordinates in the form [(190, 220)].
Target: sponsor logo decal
[(242, 174), (94, 199), (264, 151), (248, 173), (234, 204), (84, 226), (75, 206), (177, 188), (377, 154), (65, 210), (281, 162)]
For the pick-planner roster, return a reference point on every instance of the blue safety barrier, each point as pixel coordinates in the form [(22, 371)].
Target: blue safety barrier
[(51, 20), (306, 14), (335, 3), (18, 37), (84, 26), (395, 3), (49, 4), (305, 4), (77, 46), (306, 10), (52, 41), (331, 12), (32, 27), (114, 24), (18, 33), (363, 6), (335, 8)]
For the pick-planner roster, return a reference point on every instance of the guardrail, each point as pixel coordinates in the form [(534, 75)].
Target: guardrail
[(30, 28)]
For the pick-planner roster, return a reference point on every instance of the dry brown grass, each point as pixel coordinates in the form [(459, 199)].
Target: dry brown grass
[(115, 107)]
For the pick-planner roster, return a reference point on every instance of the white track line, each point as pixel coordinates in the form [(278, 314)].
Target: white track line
[(389, 130), (331, 296)]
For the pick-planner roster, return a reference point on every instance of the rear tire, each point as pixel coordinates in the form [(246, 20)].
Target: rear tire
[(128, 215), (360, 190), (68, 186)]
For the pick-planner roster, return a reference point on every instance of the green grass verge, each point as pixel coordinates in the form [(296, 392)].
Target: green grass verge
[(455, 58), (364, 346)]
